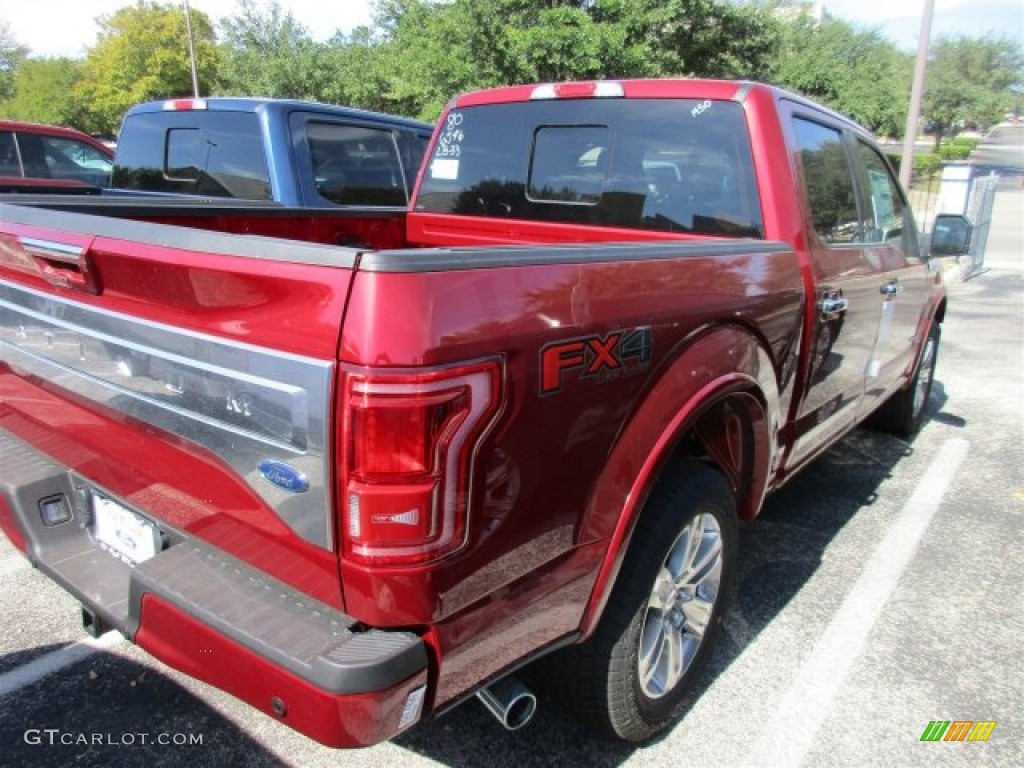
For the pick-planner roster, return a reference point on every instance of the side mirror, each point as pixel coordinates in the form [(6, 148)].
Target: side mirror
[(951, 235)]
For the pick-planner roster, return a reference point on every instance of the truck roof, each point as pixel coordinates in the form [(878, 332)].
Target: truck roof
[(678, 88), (250, 104), (664, 88)]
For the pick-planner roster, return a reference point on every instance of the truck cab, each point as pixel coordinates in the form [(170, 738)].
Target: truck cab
[(298, 154)]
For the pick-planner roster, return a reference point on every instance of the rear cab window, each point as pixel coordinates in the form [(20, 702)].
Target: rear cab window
[(673, 165), (209, 153)]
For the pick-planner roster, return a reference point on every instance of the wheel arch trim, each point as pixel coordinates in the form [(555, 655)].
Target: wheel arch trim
[(723, 377)]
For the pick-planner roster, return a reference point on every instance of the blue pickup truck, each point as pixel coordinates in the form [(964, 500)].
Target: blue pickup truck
[(295, 153)]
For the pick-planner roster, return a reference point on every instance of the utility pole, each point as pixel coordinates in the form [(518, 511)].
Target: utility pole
[(910, 133), (191, 51)]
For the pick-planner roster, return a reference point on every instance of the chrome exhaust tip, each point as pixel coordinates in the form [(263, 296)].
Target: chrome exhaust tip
[(511, 702)]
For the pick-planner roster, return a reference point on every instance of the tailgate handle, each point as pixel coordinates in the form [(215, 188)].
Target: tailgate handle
[(63, 265)]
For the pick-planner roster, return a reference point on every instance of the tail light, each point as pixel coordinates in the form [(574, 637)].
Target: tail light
[(409, 440)]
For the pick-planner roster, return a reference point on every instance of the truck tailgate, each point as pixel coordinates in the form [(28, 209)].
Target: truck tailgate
[(184, 378)]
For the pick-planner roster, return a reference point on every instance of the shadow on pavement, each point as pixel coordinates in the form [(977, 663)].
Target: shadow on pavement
[(778, 555), (110, 711), (470, 736)]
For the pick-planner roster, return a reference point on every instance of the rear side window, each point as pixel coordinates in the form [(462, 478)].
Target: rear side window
[(669, 165), (829, 181), (216, 154), (10, 165), (412, 146), (355, 165)]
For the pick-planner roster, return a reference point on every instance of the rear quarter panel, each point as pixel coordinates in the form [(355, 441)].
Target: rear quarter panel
[(571, 324)]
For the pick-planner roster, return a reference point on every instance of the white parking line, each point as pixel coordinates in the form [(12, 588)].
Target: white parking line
[(27, 674), (788, 737)]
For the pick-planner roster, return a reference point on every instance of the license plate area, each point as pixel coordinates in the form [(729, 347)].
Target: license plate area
[(123, 533)]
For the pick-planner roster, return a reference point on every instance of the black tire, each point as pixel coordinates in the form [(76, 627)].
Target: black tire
[(903, 413), (616, 681)]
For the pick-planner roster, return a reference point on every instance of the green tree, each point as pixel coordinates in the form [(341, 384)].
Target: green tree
[(44, 92), (423, 55), (969, 80), (692, 38), (268, 53), (856, 72), (425, 52), (12, 54), (142, 54), (355, 69)]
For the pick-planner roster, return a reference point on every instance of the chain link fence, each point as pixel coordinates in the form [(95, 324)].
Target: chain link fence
[(980, 201)]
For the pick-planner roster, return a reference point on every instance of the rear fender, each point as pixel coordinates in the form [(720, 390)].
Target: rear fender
[(719, 401)]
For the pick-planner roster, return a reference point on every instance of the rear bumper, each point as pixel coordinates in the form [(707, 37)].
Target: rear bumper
[(217, 619)]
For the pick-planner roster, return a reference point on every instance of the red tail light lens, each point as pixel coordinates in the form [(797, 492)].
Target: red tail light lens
[(409, 442)]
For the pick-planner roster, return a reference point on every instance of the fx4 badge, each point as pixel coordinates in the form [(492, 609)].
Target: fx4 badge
[(602, 358)]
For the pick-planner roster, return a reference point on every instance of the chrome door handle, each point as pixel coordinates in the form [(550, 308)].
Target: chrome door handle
[(833, 307), (891, 288)]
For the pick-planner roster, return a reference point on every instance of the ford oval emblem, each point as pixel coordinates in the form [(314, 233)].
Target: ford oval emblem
[(284, 476)]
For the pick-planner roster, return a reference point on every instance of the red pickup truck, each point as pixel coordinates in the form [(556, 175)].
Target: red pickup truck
[(354, 485)]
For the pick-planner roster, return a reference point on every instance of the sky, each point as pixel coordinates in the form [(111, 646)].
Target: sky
[(67, 27)]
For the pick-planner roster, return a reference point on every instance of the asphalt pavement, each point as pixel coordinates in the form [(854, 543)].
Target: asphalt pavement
[(880, 590)]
